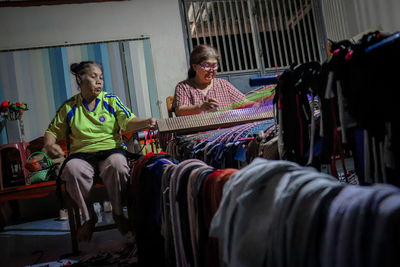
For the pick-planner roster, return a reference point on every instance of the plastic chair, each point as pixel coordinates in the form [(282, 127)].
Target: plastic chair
[(12, 164), (170, 109)]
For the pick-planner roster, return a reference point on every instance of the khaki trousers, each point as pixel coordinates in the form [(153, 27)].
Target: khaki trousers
[(78, 175)]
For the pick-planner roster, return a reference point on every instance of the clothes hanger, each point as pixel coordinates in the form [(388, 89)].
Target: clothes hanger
[(264, 80), (384, 43)]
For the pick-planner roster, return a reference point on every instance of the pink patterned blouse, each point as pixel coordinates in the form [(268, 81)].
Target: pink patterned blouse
[(223, 91)]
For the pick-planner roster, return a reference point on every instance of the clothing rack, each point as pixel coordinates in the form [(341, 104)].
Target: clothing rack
[(191, 214), (354, 136)]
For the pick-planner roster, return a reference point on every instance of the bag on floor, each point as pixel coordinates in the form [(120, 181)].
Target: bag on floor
[(41, 168)]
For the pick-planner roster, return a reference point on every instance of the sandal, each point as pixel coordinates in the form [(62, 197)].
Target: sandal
[(122, 223), (85, 231)]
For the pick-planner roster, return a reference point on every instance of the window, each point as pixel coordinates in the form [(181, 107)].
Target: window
[(256, 35)]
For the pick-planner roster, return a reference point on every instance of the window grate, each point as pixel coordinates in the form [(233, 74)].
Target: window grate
[(256, 35)]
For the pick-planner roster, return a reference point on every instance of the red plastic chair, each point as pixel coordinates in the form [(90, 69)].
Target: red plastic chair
[(12, 164)]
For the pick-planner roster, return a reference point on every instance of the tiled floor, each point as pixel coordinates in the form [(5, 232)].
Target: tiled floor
[(47, 241)]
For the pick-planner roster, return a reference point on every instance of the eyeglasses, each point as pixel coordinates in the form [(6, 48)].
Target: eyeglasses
[(209, 66)]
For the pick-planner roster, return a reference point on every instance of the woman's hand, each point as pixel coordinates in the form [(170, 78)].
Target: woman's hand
[(151, 123), (137, 124), (53, 151), (209, 104), (51, 148)]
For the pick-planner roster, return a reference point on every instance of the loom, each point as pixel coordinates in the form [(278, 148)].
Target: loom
[(213, 120)]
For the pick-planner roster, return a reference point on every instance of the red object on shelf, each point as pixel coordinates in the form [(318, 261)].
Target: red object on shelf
[(12, 165)]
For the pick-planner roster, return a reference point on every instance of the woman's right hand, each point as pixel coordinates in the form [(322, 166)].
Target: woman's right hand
[(209, 104), (53, 151), (50, 147)]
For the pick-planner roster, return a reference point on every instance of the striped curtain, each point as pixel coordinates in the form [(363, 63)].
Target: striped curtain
[(41, 77)]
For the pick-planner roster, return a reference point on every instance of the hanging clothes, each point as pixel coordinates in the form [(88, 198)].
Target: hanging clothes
[(144, 207)]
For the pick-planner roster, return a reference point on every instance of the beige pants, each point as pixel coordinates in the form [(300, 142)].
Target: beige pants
[(78, 176)]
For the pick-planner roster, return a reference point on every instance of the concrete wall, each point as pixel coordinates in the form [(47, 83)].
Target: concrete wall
[(27, 27)]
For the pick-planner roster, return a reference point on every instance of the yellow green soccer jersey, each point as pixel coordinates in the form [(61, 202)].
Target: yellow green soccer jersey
[(91, 130)]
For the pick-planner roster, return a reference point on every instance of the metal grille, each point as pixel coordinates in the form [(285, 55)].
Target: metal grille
[(255, 34)]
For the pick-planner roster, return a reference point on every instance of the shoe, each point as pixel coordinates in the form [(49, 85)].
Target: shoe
[(107, 206), (63, 215), (86, 230), (122, 223), (130, 238)]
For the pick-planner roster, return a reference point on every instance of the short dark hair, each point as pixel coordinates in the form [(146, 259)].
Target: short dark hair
[(81, 67), (199, 54)]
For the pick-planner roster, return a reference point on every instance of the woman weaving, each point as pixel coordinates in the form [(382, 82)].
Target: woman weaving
[(92, 120), (201, 91)]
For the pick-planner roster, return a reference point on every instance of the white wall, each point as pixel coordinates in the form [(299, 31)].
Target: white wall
[(26, 27), (345, 19), (371, 13)]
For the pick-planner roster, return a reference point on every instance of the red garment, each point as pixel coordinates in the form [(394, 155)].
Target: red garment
[(132, 183), (223, 91), (136, 170), (211, 191)]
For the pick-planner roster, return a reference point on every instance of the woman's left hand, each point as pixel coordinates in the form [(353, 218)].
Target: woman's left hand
[(137, 124), (151, 123), (209, 104)]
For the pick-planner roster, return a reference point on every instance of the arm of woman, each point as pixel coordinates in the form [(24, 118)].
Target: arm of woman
[(56, 131), (209, 104), (127, 120), (187, 110), (51, 148), (137, 124)]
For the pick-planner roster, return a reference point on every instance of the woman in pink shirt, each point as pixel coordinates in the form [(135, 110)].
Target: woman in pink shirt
[(201, 91)]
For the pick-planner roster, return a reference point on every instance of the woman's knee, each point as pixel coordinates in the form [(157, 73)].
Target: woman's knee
[(76, 168), (117, 162)]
